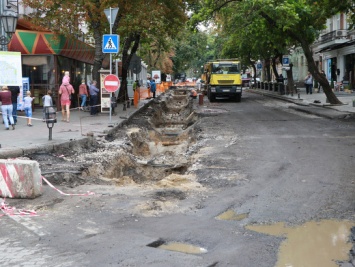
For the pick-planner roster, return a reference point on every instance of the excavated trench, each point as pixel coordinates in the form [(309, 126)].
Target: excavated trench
[(158, 144), (155, 143)]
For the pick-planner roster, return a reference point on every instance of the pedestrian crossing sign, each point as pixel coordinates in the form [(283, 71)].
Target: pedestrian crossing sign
[(110, 43)]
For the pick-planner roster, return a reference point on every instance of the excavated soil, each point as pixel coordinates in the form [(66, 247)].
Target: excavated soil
[(151, 152)]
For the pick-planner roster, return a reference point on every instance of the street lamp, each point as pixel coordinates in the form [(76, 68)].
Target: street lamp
[(8, 21)]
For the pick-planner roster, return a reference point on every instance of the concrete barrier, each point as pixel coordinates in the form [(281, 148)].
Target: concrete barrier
[(20, 178)]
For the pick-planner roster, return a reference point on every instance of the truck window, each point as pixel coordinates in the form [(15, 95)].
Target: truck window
[(225, 68)]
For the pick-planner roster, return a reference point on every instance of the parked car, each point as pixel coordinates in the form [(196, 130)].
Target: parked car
[(246, 77), (252, 81)]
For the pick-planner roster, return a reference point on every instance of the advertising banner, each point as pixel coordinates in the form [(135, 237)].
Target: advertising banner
[(156, 75), (10, 68)]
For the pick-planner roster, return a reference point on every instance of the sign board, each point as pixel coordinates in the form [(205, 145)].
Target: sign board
[(156, 75), (168, 78), (259, 66), (286, 60), (110, 43), (10, 68), (111, 14), (112, 83)]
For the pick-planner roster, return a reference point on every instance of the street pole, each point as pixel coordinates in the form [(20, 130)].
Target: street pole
[(110, 66), (109, 12)]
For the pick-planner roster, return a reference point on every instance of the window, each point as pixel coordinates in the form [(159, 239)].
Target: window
[(226, 68)]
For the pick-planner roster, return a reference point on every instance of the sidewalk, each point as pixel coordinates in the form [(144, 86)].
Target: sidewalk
[(82, 126), (315, 103)]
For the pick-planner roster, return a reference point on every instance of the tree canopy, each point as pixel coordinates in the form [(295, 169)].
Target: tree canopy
[(273, 25), (150, 22)]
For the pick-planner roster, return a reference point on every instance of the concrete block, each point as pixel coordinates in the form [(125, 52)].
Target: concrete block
[(20, 178)]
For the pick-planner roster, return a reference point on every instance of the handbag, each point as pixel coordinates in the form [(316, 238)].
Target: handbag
[(68, 92)]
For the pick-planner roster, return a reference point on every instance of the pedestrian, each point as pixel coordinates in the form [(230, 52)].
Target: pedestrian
[(135, 85), (94, 91), (83, 92), (65, 92), (66, 78), (319, 86), (153, 87), (28, 107), (47, 102), (6, 107), (15, 92), (308, 80), (148, 87)]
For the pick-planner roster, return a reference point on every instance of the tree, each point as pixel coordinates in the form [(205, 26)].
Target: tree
[(136, 20), (298, 21)]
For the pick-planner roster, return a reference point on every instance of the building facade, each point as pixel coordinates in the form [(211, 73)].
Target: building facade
[(334, 51)]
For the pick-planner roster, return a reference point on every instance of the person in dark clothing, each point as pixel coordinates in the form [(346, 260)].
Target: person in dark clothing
[(15, 92), (153, 87), (6, 107), (94, 96)]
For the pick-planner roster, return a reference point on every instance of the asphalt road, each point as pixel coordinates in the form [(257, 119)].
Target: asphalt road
[(259, 158)]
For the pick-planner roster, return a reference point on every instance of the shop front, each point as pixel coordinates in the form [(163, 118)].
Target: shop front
[(46, 56)]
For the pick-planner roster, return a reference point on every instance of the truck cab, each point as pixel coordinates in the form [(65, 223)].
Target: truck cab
[(223, 79)]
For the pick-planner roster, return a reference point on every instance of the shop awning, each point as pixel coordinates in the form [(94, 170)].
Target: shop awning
[(39, 43)]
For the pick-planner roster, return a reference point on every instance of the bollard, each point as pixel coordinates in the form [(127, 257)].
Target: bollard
[(124, 105), (20, 178), (200, 99)]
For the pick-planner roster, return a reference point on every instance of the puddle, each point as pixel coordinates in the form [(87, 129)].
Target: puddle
[(231, 215), (184, 248), (178, 247), (311, 244)]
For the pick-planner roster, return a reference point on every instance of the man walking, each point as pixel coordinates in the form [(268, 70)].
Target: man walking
[(94, 91), (15, 92), (153, 87), (308, 80)]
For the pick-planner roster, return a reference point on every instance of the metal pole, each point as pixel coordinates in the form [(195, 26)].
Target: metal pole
[(110, 65)]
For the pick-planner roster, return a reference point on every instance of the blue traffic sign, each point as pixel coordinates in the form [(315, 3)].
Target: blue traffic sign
[(259, 66), (110, 43), (285, 61)]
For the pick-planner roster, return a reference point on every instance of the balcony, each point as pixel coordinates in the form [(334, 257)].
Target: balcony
[(331, 39)]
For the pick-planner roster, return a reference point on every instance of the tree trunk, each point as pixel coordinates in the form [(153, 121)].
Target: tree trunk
[(274, 69), (290, 81), (130, 47), (312, 68)]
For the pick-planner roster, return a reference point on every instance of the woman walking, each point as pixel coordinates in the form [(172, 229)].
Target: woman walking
[(6, 107), (65, 92)]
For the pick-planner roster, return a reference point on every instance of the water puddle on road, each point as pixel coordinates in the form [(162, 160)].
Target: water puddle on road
[(177, 246), (184, 248), (311, 244), (231, 215)]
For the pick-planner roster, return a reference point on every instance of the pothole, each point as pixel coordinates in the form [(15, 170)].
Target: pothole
[(231, 215), (178, 247), (322, 243)]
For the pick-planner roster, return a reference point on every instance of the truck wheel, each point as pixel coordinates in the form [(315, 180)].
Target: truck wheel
[(238, 98), (212, 98)]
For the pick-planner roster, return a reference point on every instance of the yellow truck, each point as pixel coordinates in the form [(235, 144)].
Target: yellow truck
[(223, 79)]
